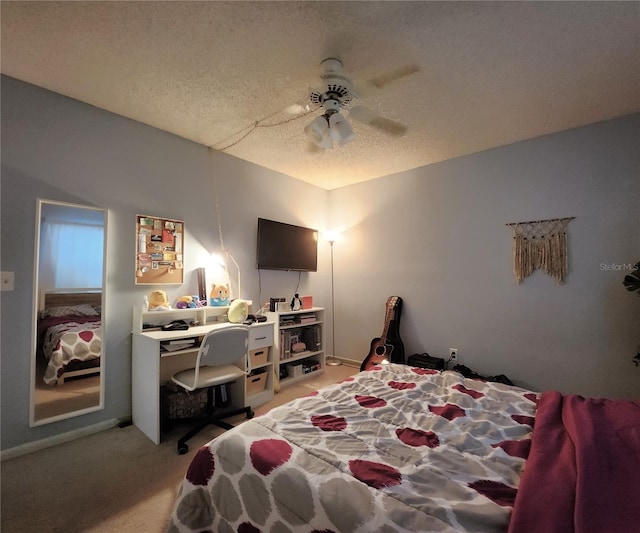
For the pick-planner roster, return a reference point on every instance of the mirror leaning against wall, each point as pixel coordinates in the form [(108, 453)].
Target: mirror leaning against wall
[(67, 365)]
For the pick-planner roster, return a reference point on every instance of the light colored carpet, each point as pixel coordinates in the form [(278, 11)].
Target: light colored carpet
[(113, 481)]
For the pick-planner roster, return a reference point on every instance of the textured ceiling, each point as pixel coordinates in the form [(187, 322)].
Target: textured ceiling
[(490, 73)]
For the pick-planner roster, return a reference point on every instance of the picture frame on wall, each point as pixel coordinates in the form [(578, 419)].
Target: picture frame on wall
[(159, 251)]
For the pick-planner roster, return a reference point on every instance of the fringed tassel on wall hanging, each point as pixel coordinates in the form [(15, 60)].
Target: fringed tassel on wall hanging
[(540, 244)]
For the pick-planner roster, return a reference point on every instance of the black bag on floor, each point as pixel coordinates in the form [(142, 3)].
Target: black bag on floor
[(424, 360), (468, 373)]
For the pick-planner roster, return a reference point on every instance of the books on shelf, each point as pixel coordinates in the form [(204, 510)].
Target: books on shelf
[(311, 336), (285, 344), (293, 320), (305, 318), (287, 320)]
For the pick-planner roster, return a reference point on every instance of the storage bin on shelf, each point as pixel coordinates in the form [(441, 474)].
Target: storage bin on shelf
[(294, 370), (258, 356), (256, 382)]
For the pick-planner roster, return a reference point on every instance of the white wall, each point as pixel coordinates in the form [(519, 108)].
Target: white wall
[(437, 237), (60, 149)]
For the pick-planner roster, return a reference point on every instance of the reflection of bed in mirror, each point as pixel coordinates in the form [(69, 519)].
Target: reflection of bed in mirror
[(69, 335), (68, 353)]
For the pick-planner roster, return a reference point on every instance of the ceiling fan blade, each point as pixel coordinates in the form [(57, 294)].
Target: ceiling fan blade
[(390, 77), (365, 88), (366, 116), (298, 107)]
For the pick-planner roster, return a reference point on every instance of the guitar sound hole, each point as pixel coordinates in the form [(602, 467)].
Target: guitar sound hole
[(380, 350)]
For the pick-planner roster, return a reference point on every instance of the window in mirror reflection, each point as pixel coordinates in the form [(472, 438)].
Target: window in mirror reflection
[(71, 253)]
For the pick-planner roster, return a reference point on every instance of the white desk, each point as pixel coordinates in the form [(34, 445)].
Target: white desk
[(152, 368)]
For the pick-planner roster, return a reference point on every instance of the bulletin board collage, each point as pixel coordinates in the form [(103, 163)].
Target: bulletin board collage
[(159, 251)]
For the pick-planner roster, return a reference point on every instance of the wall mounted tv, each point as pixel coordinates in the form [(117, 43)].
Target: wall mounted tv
[(286, 247)]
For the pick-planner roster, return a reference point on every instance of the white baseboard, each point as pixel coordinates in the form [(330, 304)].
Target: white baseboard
[(349, 362), (41, 444)]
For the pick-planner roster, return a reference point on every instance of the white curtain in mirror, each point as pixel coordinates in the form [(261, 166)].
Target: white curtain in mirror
[(71, 253)]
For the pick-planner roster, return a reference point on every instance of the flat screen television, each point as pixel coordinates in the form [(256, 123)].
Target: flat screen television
[(286, 247)]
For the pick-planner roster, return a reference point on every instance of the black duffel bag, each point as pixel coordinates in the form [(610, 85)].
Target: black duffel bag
[(424, 360)]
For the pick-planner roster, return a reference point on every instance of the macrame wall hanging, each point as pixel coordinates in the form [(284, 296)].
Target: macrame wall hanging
[(540, 244)]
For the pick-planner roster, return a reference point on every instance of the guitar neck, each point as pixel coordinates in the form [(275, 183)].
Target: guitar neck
[(387, 320)]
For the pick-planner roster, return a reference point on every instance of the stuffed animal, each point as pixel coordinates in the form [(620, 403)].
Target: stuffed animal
[(219, 295), (185, 302), (238, 311), (158, 301)]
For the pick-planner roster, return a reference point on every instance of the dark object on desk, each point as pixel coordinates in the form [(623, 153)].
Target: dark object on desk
[(424, 360), (254, 318), (176, 325), (273, 303)]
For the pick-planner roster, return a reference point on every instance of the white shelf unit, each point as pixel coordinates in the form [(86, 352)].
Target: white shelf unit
[(310, 332), (202, 315)]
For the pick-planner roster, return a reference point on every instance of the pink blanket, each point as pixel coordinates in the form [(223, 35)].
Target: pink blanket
[(583, 470)]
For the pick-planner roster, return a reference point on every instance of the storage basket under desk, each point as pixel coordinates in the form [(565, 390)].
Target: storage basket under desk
[(179, 404)]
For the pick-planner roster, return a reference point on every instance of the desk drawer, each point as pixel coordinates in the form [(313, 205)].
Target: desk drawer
[(260, 336)]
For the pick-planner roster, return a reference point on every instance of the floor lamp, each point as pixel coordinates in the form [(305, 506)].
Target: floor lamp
[(331, 238)]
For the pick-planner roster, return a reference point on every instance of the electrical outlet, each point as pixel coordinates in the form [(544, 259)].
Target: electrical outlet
[(8, 281), (453, 354)]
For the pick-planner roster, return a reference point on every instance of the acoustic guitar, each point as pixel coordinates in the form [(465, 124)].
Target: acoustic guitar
[(388, 347)]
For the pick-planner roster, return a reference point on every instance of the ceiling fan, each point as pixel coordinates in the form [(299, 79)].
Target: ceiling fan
[(337, 93)]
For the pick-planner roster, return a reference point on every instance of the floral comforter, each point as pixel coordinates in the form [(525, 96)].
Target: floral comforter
[(393, 449), (70, 341)]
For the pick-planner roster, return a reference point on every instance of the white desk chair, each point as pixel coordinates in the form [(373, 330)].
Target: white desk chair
[(215, 369)]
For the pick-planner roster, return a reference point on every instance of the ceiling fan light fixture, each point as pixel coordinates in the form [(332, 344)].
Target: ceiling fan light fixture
[(340, 129), (318, 132)]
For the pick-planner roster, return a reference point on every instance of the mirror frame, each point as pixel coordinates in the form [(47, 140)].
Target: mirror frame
[(34, 333)]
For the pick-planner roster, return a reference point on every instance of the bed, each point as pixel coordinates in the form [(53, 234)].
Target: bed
[(69, 335), (402, 449)]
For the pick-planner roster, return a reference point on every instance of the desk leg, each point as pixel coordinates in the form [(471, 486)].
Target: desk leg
[(145, 386)]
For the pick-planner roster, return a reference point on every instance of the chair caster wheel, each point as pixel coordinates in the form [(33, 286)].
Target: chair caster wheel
[(183, 449)]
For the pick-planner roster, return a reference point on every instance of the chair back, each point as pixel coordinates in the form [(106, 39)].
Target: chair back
[(224, 346)]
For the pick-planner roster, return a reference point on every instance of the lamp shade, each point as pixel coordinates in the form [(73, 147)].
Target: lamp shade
[(340, 130), (331, 236), (318, 132)]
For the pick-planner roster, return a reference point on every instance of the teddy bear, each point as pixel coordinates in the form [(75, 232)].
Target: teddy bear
[(219, 295), (158, 301)]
